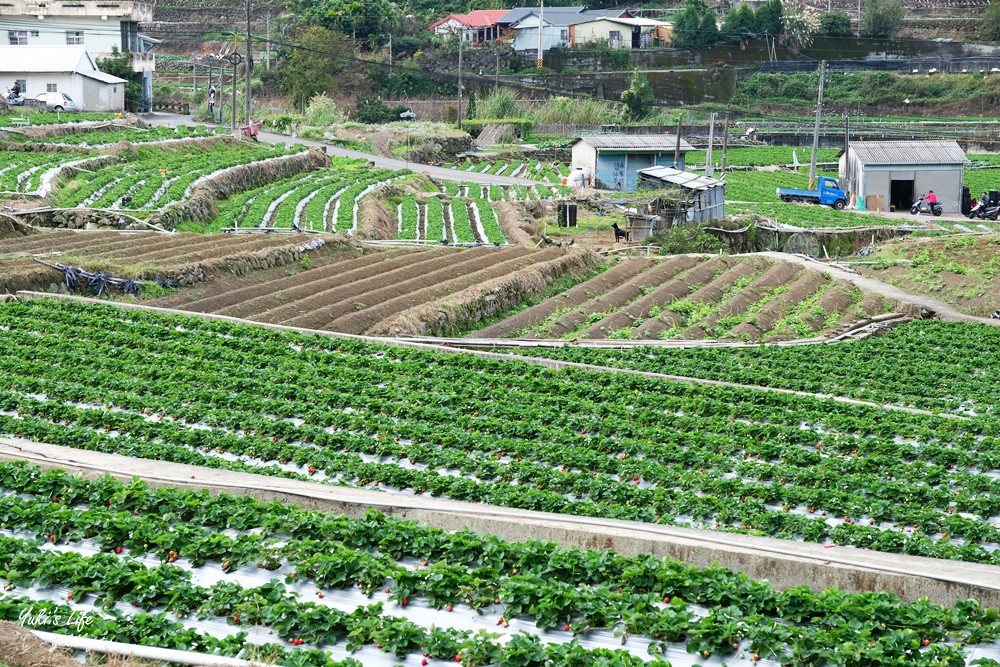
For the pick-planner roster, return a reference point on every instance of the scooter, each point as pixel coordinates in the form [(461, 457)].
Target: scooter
[(989, 212), (924, 206), (976, 211), (13, 100)]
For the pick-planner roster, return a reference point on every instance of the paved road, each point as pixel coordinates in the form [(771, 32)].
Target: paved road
[(438, 173), (941, 309)]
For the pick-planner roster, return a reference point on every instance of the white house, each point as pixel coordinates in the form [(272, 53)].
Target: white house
[(478, 26), (558, 26), (621, 33), (98, 25), (65, 69)]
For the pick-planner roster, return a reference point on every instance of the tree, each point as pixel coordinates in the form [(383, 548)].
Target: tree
[(881, 18), (990, 25), (120, 65), (739, 26), (687, 27), (768, 17), (835, 23), (370, 21), (798, 26), (709, 28), (638, 99), (316, 54)]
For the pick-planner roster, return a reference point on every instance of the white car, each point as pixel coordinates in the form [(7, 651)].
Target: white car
[(57, 101)]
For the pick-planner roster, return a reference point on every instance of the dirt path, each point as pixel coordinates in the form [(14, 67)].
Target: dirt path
[(437, 173), (936, 307)]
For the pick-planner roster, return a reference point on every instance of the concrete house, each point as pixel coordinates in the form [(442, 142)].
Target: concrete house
[(886, 175), (556, 26), (477, 27), (65, 69), (612, 162), (621, 33), (97, 25)]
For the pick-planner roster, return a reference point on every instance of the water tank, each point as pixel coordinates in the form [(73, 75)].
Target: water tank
[(567, 214)]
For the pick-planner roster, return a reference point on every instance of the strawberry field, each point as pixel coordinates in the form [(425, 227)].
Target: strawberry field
[(321, 200), (232, 576), (532, 169), (154, 177), (22, 172), (456, 220), (109, 136), (580, 442)]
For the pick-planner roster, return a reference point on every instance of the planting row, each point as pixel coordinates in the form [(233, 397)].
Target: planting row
[(230, 575), (456, 220), (153, 177), (23, 171), (504, 192), (928, 364), (694, 298), (501, 432), (323, 200), (108, 136), (531, 169)]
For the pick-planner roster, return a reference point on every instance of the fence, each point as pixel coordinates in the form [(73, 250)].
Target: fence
[(899, 65)]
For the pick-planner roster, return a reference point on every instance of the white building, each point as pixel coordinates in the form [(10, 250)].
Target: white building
[(98, 25), (64, 69)]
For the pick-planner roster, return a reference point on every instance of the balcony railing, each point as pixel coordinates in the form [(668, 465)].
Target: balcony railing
[(127, 9)]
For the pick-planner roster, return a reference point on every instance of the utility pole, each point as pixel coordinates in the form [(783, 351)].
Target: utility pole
[(677, 144), (709, 170), (725, 143), (461, 38), (847, 153), (390, 54), (268, 24), (819, 115), (541, 18), (249, 66), (496, 82)]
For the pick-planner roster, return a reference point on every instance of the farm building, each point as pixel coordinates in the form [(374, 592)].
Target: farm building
[(891, 175), (65, 69), (621, 33), (477, 27), (557, 25), (612, 162), (706, 195)]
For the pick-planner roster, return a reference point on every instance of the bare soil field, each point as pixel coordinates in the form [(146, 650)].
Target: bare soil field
[(963, 271)]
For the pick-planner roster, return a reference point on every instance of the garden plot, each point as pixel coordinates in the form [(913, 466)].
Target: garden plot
[(234, 577), (21, 172), (99, 138), (542, 171), (462, 221), (144, 255), (580, 442), (687, 297), (156, 177)]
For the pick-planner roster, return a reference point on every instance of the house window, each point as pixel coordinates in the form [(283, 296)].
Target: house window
[(17, 37), (34, 33), (51, 88), (74, 37), (564, 35)]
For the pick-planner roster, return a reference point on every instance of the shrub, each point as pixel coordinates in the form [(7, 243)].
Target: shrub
[(323, 111), (835, 23)]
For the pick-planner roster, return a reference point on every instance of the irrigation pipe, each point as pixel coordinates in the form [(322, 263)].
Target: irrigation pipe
[(102, 646), (566, 520)]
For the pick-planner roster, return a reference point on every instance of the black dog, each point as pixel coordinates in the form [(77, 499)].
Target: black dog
[(126, 200), (619, 233)]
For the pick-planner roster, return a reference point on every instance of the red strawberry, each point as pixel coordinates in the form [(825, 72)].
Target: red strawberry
[(236, 619), (458, 658), (423, 661), (405, 602), (566, 627), (447, 607), (118, 550), (69, 597)]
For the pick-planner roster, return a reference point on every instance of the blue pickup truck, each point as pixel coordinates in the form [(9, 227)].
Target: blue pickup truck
[(828, 193)]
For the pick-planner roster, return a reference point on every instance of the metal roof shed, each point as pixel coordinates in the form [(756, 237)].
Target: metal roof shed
[(891, 175), (707, 198), (612, 162)]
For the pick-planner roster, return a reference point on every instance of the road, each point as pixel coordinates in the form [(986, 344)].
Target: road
[(437, 173)]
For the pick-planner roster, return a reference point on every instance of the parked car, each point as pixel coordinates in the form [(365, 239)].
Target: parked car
[(57, 101)]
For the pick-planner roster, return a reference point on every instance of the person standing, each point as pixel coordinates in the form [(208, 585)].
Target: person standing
[(211, 102), (15, 90)]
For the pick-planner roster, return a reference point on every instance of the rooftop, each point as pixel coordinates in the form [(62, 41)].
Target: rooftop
[(634, 142), (38, 59), (908, 152), (684, 179), (124, 9)]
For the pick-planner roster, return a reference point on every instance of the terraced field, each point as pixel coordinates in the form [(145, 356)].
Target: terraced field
[(383, 291), (452, 220), (187, 257), (694, 297)]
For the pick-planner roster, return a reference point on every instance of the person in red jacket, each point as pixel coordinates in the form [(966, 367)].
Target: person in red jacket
[(931, 198)]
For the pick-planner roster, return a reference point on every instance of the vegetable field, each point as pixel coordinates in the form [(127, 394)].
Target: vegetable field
[(455, 220), (22, 172), (574, 441), (235, 577), (531, 169), (694, 298)]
